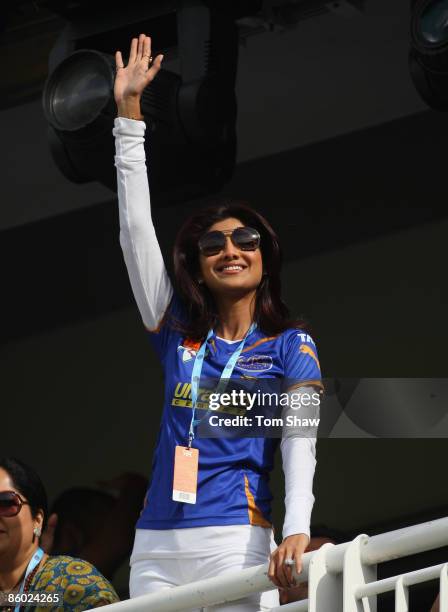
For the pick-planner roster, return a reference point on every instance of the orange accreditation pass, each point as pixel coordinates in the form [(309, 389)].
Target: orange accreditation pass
[(185, 482)]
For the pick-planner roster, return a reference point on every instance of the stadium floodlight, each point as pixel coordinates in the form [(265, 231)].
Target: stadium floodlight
[(190, 115), (428, 57), (78, 91)]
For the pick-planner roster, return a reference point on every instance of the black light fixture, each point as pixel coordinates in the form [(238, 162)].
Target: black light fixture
[(78, 90), (190, 115), (428, 57)]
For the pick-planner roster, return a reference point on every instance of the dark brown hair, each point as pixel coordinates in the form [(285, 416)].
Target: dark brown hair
[(271, 313), (28, 483)]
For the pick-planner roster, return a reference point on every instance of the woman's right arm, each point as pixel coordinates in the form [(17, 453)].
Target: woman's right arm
[(147, 273)]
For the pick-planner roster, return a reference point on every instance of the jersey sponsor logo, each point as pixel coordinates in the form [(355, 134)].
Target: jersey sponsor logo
[(182, 397), (255, 363), (306, 338)]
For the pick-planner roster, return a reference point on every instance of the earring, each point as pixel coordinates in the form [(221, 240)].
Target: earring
[(200, 281), (37, 532)]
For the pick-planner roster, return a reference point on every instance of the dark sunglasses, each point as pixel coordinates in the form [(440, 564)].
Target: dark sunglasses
[(244, 238), (11, 503)]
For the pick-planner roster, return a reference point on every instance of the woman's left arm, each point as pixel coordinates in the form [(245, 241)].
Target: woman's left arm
[(299, 462), (302, 378)]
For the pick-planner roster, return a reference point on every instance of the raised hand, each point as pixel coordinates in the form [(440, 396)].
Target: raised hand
[(131, 80)]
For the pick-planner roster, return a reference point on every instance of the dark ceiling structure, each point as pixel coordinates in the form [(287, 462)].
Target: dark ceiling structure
[(322, 196)]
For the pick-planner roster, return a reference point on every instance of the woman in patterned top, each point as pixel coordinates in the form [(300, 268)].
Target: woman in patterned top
[(27, 574)]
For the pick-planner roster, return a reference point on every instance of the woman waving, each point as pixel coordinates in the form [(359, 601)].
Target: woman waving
[(207, 510)]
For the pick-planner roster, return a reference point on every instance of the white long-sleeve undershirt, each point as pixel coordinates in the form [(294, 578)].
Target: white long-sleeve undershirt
[(147, 272), (153, 291)]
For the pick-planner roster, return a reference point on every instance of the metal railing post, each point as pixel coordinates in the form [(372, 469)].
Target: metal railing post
[(401, 596), (324, 588), (444, 588), (355, 574)]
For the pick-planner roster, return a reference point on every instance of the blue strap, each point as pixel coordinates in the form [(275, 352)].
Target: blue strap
[(35, 560), (223, 381)]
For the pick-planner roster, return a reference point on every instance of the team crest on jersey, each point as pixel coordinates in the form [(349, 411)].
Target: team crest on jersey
[(255, 363), (188, 349)]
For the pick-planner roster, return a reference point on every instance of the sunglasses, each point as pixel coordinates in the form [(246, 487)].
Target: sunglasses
[(244, 238), (11, 503)]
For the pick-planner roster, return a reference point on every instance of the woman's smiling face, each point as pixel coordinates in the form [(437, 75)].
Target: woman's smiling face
[(232, 271)]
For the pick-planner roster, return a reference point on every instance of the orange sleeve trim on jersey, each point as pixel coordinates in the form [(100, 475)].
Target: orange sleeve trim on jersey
[(255, 515), (307, 383)]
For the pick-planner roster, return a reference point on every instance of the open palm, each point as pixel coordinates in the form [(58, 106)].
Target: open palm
[(131, 80)]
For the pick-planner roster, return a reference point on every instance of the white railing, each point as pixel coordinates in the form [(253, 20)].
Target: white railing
[(341, 578)]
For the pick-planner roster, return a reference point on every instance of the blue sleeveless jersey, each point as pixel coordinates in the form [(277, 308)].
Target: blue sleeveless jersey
[(233, 478)]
